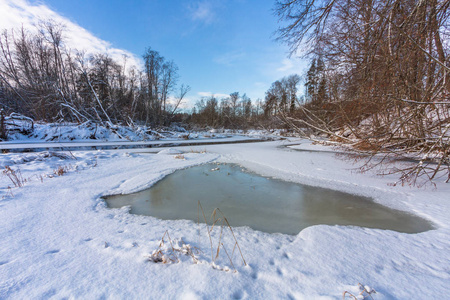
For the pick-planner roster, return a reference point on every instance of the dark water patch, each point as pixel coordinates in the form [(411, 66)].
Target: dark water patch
[(262, 203)]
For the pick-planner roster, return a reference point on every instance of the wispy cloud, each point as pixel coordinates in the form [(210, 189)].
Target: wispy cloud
[(202, 11), (229, 58), (286, 65), (290, 66), (209, 94), (17, 13)]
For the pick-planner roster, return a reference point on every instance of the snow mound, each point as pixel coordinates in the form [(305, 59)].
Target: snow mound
[(170, 151)]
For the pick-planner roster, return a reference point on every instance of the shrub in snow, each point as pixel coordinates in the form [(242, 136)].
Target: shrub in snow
[(15, 176), (170, 251), (365, 292)]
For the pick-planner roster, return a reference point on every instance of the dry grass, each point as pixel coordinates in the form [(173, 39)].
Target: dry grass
[(365, 293), (9, 193), (219, 220), (60, 155), (169, 250), (15, 176), (185, 136), (61, 170), (167, 253), (198, 151), (18, 180), (180, 156)]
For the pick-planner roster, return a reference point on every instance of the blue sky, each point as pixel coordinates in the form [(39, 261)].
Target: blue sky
[(219, 46)]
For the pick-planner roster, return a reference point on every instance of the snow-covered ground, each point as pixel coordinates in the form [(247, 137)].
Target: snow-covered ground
[(59, 240), (89, 145), (21, 129), (25, 134)]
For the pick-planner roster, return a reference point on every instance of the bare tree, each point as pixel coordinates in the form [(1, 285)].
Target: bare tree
[(383, 84), (183, 90), (42, 78)]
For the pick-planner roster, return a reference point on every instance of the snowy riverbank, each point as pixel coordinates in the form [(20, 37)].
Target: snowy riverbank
[(60, 240)]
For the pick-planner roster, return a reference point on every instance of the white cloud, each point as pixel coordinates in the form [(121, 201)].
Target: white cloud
[(18, 13), (289, 66), (286, 65), (202, 11), (209, 94)]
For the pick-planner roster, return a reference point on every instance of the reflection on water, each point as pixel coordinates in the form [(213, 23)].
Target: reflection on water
[(262, 203)]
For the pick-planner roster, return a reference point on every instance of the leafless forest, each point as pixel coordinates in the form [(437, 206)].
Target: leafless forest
[(43, 79), (378, 81)]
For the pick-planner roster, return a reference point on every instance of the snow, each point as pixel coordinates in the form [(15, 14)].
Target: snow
[(170, 151), (59, 240), (23, 133), (21, 128), (86, 145)]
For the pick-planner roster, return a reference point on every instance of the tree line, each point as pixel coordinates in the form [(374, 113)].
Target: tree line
[(42, 78), (233, 112)]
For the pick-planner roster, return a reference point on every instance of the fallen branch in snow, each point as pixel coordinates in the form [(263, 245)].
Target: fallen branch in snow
[(96, 96), (423, 103), (159, 135), (365, 291), (76, 112), (418, 134)]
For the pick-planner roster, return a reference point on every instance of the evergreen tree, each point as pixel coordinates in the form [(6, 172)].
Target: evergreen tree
[(311, 81)]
